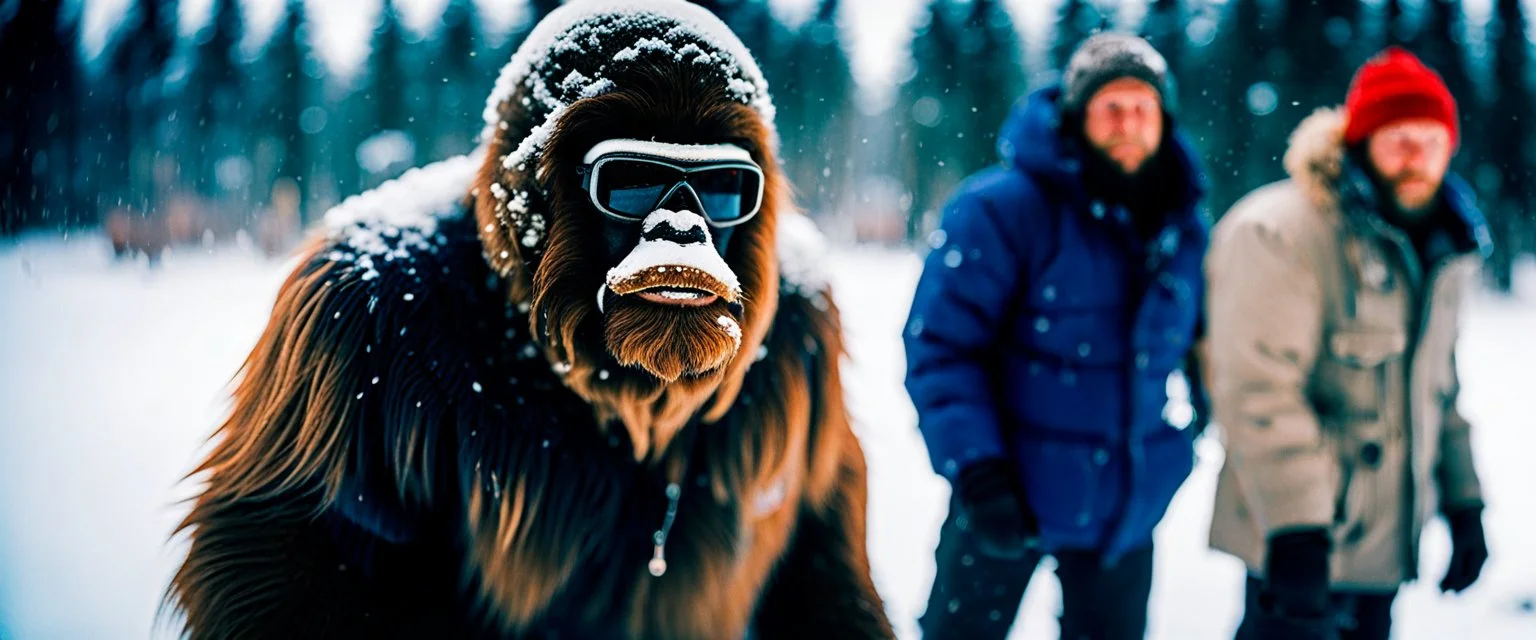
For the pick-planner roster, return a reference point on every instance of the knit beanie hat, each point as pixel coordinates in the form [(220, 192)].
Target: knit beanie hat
[(1395, 85), (1105, 57)]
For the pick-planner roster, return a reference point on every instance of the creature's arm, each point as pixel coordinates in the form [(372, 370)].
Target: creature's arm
[(823, 588), (268, 554)]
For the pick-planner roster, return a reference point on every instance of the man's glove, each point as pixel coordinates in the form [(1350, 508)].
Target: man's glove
[(1295, 602), (1469, 549), (990, 498)]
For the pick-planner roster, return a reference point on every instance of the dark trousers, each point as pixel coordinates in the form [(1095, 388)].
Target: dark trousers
[(976, 597), (1357, 616)]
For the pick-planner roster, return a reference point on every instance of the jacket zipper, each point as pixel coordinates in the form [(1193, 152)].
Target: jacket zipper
[(1425, 281)]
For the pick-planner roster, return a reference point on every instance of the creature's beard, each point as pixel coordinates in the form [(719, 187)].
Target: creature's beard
[(671, 342)]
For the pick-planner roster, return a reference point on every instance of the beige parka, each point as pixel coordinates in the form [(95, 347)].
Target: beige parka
[(1332, 374)]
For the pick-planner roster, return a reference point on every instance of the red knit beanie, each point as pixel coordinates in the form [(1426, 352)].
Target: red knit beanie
[(1395, 85)]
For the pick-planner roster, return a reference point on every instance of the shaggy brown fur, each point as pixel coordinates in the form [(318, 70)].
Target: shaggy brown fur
[(475, 459), (670, 343)]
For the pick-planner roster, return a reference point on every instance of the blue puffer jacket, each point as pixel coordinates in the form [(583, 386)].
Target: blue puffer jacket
[(1042, 331)]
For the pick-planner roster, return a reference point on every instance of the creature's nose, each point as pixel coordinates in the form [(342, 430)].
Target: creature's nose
[(679, 228), (666, 232)]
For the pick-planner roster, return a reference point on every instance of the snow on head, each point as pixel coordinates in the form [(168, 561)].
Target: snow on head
[(634, 30), (398, 217), (681, 152), (587, 48)]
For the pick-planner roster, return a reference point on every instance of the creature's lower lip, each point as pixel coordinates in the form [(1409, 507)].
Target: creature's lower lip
[(678, 297)]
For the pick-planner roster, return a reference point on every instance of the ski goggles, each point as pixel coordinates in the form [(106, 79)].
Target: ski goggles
[(630, 179)]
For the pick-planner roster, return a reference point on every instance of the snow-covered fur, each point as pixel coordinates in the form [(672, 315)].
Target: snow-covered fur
[(434, 437)]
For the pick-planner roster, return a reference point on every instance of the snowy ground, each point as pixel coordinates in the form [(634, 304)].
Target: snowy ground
[(112, 375)]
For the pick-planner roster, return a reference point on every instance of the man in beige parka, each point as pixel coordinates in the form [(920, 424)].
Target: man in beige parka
[(1332, 304)]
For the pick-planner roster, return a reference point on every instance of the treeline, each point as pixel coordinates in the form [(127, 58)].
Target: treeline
[(161, 121)]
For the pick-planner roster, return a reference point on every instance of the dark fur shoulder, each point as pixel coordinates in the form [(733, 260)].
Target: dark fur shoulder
[(350, 427)]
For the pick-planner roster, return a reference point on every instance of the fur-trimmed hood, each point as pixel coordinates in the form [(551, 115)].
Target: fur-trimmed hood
[(1314, 158)]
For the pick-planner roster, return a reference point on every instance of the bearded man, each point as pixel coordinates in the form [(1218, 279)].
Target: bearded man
[(1062, 292), (1333, 307)]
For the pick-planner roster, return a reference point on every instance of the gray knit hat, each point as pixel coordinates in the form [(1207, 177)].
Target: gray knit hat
[(1105, 57)]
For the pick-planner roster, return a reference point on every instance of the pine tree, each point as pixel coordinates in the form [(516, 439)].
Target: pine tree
[(355, 119), (75, 191), (213, 95), (1164, 30), (1190, 102), (1440, 44), (925, 99), (991, 84), (386, 78), (767, 38), (1239, 58), (537, 9), (140, 50), (1317, 53), (1395, 26), (285, 59), (37, 105), (1075, 21), (815, 112), (1510, 131), (455, 79), (1314, 53)]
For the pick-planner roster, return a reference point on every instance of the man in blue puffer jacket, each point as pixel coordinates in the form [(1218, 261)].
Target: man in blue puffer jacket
[(1063, 289)]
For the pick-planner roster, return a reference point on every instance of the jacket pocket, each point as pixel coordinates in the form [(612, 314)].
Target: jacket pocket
[(1360, 357)]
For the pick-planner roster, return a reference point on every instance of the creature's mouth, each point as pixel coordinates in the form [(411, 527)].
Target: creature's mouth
[(674, 284), (678, 296)]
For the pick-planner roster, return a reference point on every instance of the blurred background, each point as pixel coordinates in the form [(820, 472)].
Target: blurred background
[(192, 121), (159, 160)]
